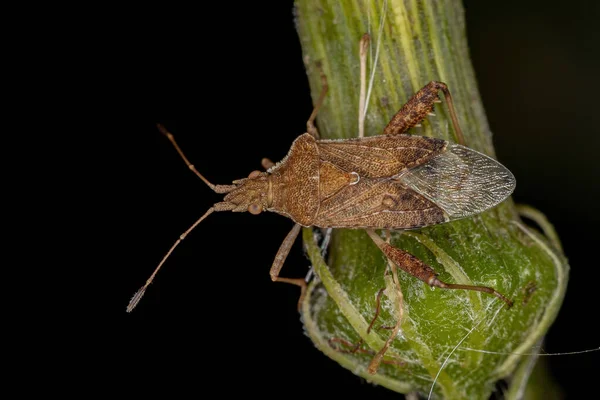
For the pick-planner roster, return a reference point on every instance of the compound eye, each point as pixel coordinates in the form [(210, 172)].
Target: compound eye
[(255, 209), (254, 174)]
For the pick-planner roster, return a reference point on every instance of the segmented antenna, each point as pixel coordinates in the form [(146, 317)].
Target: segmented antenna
[(138, 295), (136, 298)]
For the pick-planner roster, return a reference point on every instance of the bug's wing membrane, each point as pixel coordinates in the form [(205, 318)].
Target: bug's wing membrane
[(461, 181), (380, 156), (378, 203)]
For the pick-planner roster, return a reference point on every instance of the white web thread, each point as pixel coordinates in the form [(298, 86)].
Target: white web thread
[(568, 353), (379, 33), (455, 348)]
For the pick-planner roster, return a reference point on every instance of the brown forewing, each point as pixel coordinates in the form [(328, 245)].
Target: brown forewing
[(378, 203), (380, 156)]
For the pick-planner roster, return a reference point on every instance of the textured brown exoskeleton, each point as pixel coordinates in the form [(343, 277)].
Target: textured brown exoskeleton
[(393, 181)]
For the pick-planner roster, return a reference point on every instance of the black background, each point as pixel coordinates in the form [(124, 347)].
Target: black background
[(229, 82)]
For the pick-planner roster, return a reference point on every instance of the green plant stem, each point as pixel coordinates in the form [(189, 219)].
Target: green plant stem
[(444, 331)]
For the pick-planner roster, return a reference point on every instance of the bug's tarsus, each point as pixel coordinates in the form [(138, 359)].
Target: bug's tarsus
[(280, 257), (452, 111), (528, 291), (216, 188), (419, 106), (300, 282), (310, 124), (435, 282), (363, 47)]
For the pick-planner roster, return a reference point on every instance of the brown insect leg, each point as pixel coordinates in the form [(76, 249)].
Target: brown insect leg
[(377, 309), (424, 272), (376, 361), (280, 257), (310, 124), (377, 357), (363, 46), (528, 291), (437, 283), (266, 163), (356, 349), (419, 106), (216, 188), (353, 348)]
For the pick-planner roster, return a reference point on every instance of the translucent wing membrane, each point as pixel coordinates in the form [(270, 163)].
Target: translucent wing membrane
[(461, 181)]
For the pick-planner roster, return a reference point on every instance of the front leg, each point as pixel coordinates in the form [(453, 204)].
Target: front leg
[(419, 106), (280, 257)]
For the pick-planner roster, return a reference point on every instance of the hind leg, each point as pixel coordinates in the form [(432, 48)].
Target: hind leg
[(419, 106)]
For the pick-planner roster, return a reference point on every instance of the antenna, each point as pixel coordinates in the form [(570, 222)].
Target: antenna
[(138, 295)]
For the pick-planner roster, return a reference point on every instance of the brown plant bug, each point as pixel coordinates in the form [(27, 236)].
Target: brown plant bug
[(393, 181)]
